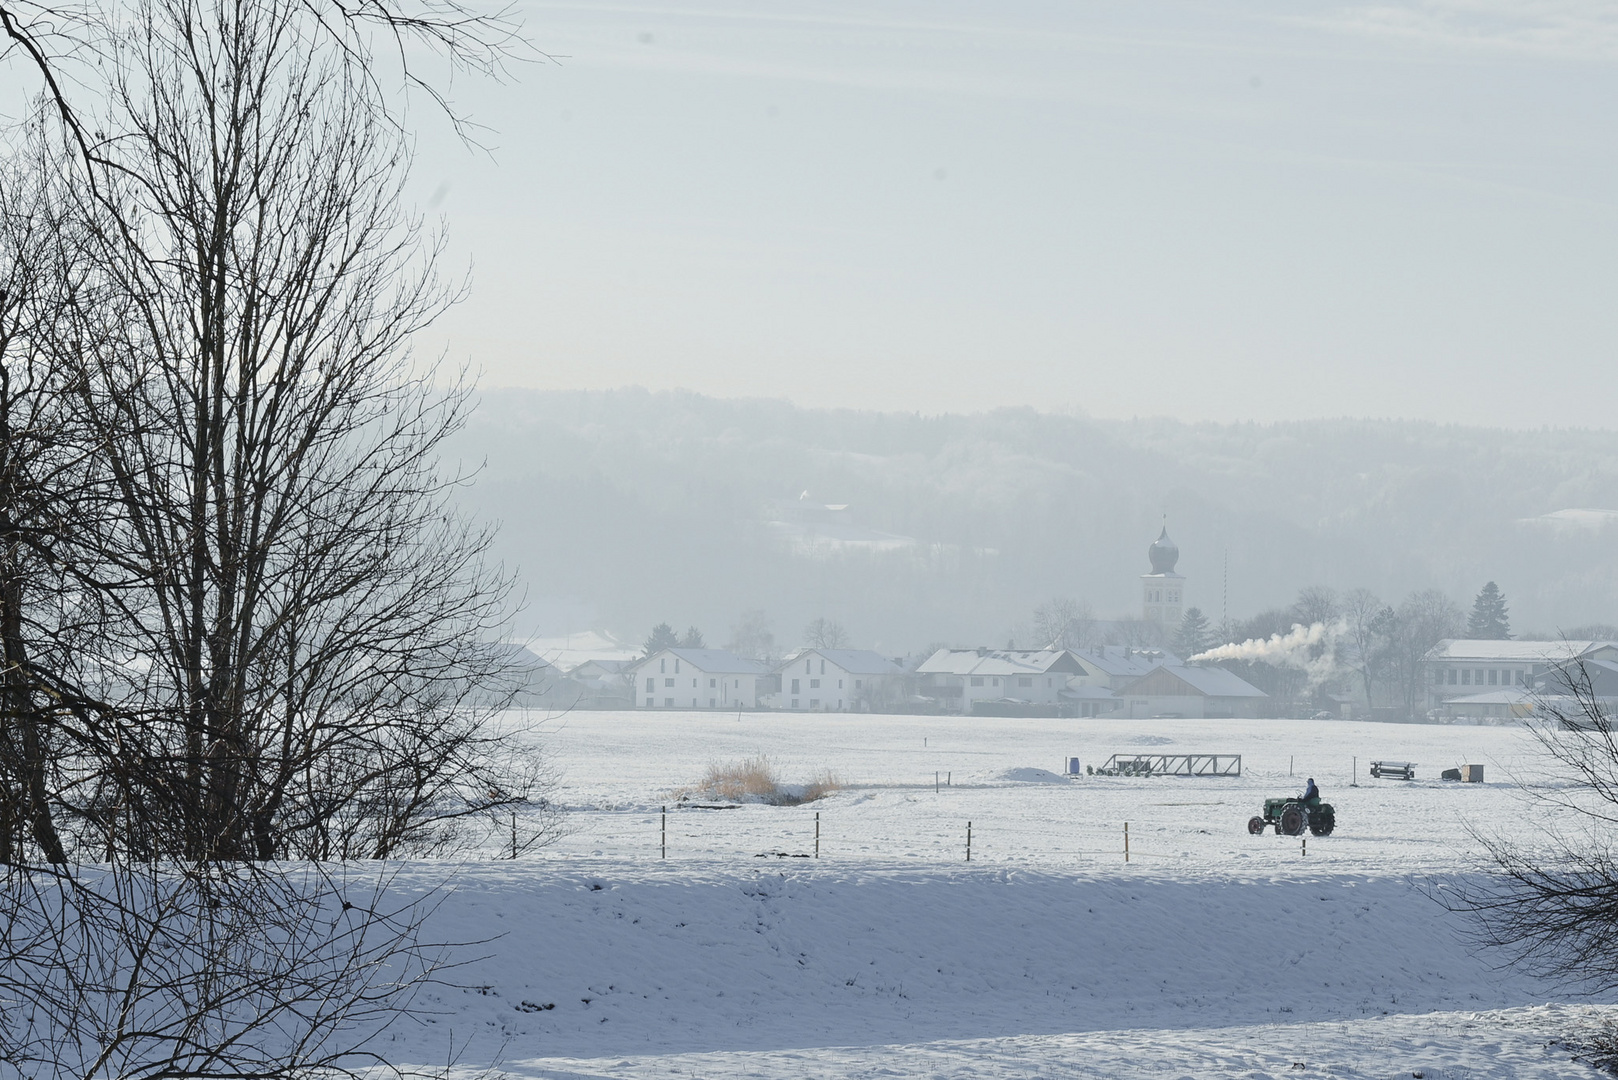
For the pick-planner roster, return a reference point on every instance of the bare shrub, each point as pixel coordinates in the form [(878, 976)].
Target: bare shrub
[(755, 779), (824, 784), (1552, 908)]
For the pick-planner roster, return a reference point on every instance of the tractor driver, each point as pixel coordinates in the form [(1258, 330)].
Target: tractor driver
[(1311, 794)]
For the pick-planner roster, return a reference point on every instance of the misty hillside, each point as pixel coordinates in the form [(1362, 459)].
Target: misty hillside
[(627, 508)]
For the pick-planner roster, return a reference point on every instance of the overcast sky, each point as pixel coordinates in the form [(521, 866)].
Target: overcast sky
[(1242, 210)]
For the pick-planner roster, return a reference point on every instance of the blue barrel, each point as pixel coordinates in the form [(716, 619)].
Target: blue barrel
[(1073, 766)]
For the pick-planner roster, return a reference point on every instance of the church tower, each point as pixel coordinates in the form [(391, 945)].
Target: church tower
[(1163, 590)]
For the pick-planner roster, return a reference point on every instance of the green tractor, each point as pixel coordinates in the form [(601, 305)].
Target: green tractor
[(1291, 815)]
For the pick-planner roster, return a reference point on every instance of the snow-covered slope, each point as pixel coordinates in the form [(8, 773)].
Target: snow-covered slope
[(1211, 953)]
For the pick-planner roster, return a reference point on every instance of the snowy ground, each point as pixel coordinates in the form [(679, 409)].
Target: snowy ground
[(1211, 953)]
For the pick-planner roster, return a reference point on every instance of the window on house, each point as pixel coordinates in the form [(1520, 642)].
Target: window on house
[(997, 682), (977, 680), (814, 684), (1438, 675), (668, 703), (663, 666), (859, 684), (712, 683), (814, 703), (1480, 677), (650, 683), (1492, 677), (794, 703), (676, 665), (668, 682), (649, 703), (1466, 676), (839, 684), (807, 665), (823, 667), (1452, 676), (711, 702), (794, 686), (1025, 680)]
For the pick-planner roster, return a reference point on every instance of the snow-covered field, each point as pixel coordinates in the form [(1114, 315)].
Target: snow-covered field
[(1210, 953)]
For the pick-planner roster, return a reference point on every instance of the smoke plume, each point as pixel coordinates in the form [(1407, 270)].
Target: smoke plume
[(1310, 649)]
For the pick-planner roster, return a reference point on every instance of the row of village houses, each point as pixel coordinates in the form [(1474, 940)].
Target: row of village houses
[(1463, 679), (1077, 682)]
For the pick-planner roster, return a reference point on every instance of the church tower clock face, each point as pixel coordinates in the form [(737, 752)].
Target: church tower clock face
[(1163, 590)]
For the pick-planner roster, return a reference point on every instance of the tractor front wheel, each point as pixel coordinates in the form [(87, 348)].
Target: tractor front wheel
[(1255, 825), (1293, 820)]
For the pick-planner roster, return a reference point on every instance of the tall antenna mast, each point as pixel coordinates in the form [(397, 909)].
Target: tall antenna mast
[(1224, 604)]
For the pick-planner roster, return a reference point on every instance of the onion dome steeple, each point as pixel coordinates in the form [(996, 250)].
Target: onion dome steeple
[(1163, 553)]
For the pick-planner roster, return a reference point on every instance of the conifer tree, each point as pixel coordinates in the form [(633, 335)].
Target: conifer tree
[(1489, 621), (1193, 636), (662, 637)]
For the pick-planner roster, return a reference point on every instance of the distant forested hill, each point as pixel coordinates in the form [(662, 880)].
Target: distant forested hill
[(627, 508)]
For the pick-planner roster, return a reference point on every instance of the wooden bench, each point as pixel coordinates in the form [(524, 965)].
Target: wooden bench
[(1394, 770)]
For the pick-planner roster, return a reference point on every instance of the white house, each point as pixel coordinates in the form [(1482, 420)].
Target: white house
[(955, 679), (839, 680), (1461, 667), (698, 679), (1198, 692)]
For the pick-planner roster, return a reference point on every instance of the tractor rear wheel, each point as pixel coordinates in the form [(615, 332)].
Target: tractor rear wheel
[(1293, 820), (1324, 826), (1255, 825)]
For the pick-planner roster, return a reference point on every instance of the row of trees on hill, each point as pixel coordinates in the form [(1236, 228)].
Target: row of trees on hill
[(241, 622)]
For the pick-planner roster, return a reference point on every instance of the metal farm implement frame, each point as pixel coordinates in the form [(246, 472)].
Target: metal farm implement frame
[(1172, 765)]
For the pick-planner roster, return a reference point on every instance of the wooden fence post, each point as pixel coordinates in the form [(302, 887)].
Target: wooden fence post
[(1126, 841), (968, 841), (817, 834), (664, 834)]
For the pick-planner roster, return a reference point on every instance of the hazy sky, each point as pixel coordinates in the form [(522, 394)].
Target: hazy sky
[(1242, 210)]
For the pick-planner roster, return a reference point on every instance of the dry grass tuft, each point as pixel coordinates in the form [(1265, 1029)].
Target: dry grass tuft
[(755, 779)]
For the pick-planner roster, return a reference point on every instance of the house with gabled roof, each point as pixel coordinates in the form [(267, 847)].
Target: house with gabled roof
[(955, 679), (699, 679), (1183, 690), (839, 680)]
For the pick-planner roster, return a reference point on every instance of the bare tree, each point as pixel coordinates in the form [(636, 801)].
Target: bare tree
[(823, 633), (136, 969), (1368, 621), (1063, 623), (1421, 621), (752, 637), (1552, 908), (1316, 604), (241, 619)]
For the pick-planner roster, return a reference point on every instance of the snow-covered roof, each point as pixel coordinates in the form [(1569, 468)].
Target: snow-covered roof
[(1086, 692), (991, 661), (1493, 697), (853, 661), (1123, 659), (1511, 651), (570, 650), (712, 661), (1209, 681), (518, 656), (612, 666)]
